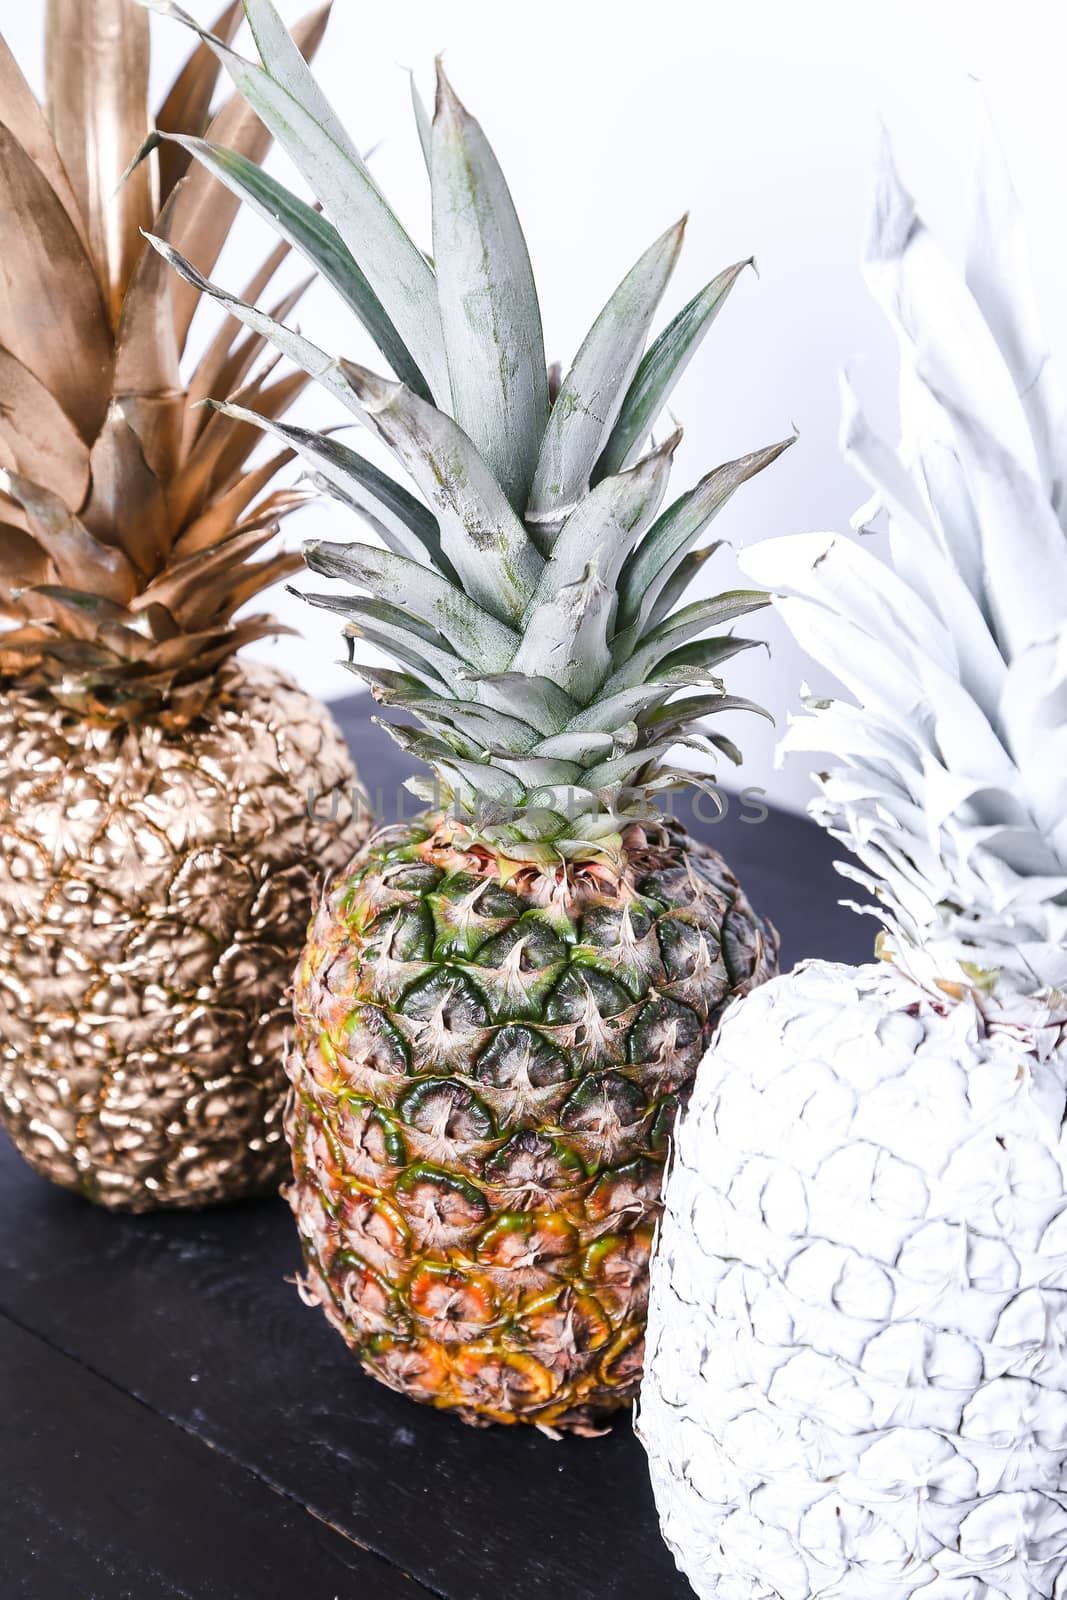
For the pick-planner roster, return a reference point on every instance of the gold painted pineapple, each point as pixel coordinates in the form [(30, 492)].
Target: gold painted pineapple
[(156, 847), (502, 1001)]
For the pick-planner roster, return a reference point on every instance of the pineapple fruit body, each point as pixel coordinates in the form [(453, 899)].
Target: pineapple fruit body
[(858, 1321), (485, 1073), (154, 889), (502, 1004), (154, 828)]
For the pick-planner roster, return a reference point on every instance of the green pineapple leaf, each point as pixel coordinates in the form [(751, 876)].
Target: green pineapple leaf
[(538, 701), (400, 633), (684, 574), (482, 537), (489, 311), (684, 520), (661, 367), (423, 124), (710, 651), (316, 238), (472, 633), (478, 723), (323, 368), (310, 133), (287, 67), (579, 747), (608, 521), (639, 665), (593, 391), (667, 722), (404, 523), (566, 638), (612, 711)]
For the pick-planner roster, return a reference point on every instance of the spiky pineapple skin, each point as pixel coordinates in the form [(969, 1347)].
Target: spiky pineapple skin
[(154, 891), (857, 1347), (484, 1077)]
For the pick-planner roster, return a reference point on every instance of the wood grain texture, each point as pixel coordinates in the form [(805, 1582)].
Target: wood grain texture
[(104, 1500), (192, 1317)]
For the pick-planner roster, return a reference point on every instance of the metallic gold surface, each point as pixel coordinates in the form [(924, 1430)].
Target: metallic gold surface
[(132, 530), (96, 69), (156, 852), (485, 1077), (154, 892), (203, 211)]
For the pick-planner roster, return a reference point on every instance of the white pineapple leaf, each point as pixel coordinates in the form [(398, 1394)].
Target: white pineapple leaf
[(851, 734), (875, 673), (661, 367), (472, 633), (930, 445), (880, 466), (998, 275), (840, 575), (490, 315), (1033, 704), (965, 740), (1021, 536), (482, 537), (941, 327), (593, 391), (931, 560)]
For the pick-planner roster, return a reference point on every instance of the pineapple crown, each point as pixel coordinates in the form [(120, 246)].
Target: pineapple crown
[(128, 521), (527, 593), (951, 777)]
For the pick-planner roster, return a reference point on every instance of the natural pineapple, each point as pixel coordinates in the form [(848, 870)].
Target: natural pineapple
[(856, 1374), (156, 848), (503, 1000)]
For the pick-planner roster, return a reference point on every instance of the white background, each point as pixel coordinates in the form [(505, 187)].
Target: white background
[(761, 119)]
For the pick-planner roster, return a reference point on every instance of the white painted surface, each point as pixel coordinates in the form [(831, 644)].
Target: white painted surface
[(761, 120)]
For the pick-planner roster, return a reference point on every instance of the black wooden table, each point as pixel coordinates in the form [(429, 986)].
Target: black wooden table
[(176, 1424)]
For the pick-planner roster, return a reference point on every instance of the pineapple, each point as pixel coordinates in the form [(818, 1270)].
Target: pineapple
[(156, 847), (856, 1376), (504, 997)]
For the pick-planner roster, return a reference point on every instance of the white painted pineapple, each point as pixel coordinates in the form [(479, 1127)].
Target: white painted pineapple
[(856, 1382)]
